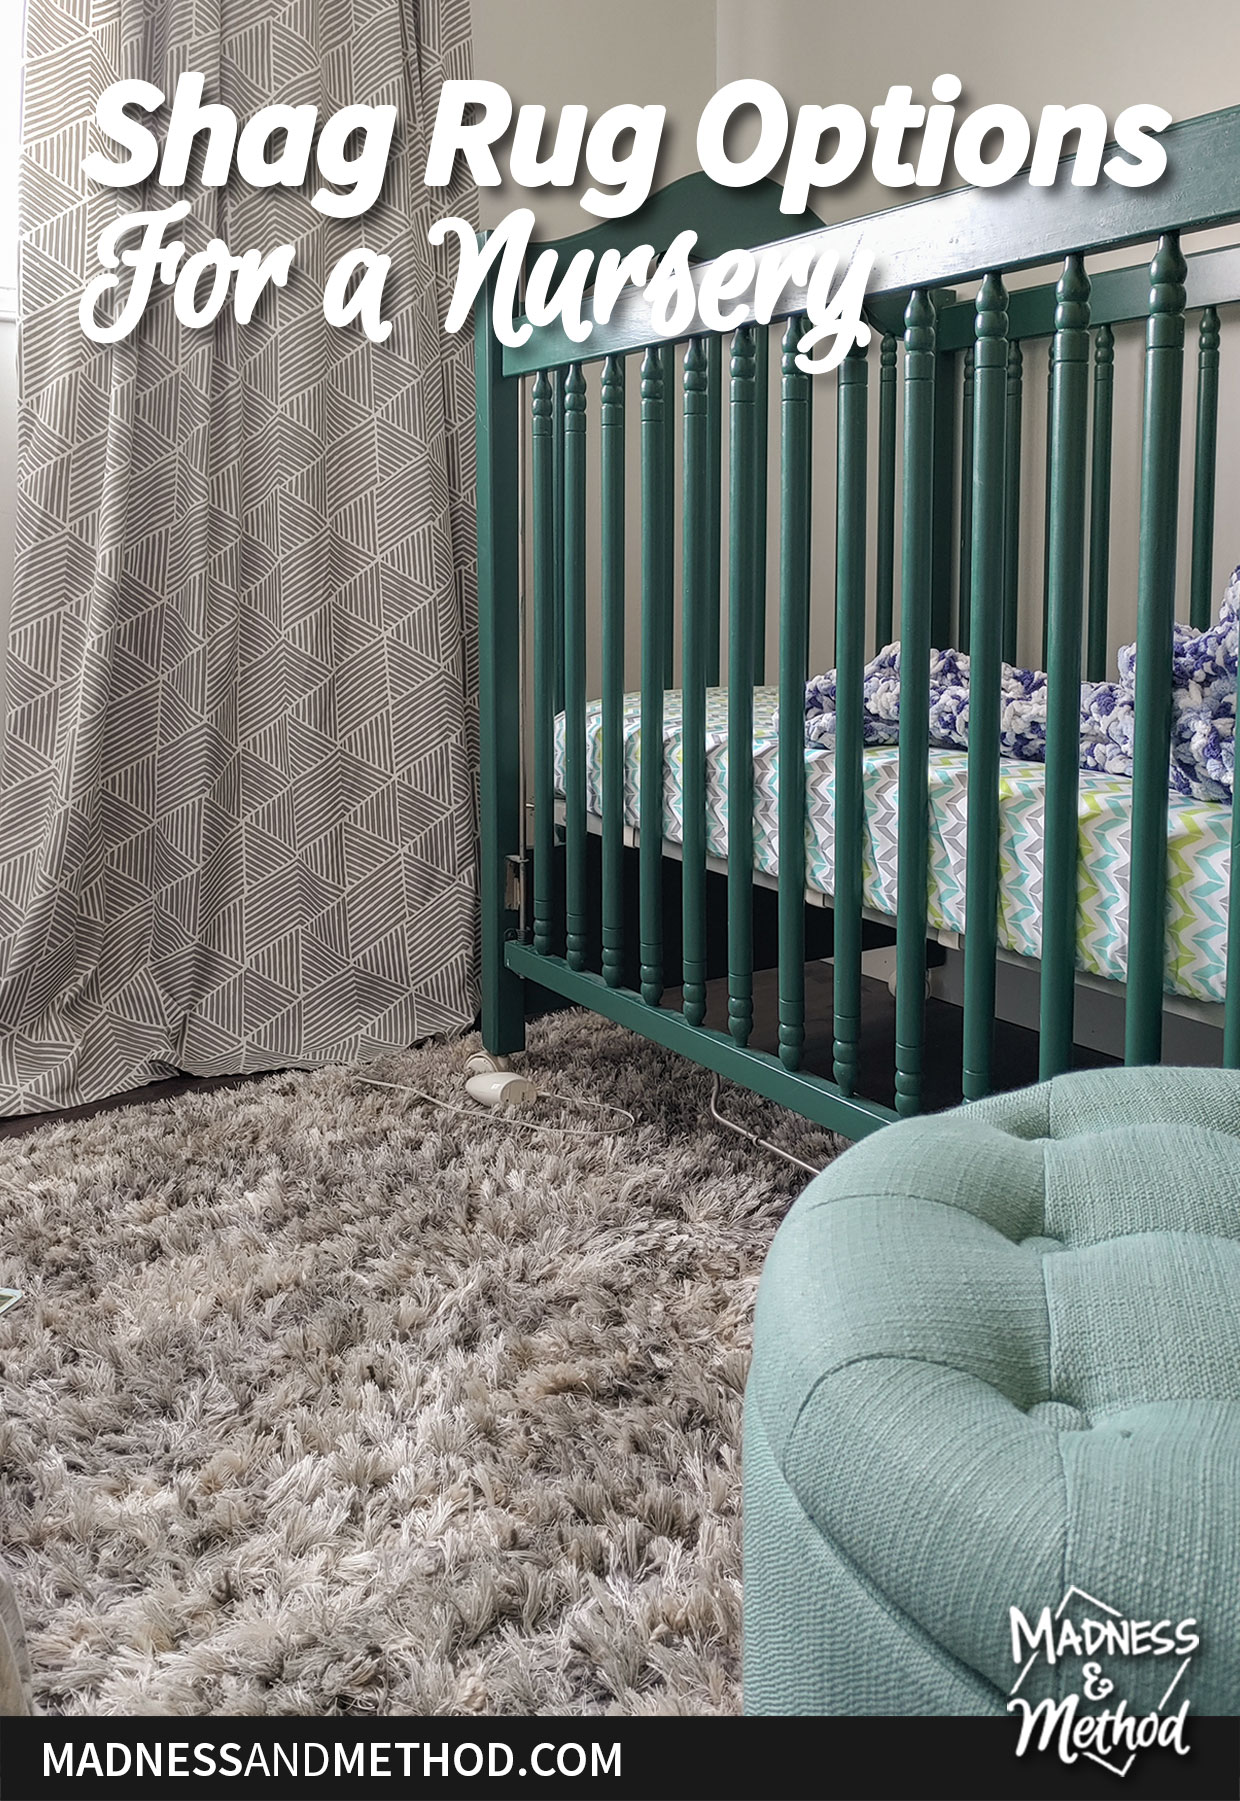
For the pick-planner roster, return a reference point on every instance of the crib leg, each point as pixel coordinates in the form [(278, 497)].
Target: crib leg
[(499, 632)]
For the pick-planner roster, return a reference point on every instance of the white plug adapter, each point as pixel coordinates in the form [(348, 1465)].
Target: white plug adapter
[(501, 1089)]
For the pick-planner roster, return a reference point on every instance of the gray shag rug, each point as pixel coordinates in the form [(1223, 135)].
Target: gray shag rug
[(324, 1401)]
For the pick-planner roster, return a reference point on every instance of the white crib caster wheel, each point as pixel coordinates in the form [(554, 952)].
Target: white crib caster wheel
[(482, 1063), (891, 985)]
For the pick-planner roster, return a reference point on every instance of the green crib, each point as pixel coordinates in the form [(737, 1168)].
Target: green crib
[(596, 889)]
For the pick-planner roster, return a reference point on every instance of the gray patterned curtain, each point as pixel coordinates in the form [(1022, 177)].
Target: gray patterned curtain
[(236, 818)]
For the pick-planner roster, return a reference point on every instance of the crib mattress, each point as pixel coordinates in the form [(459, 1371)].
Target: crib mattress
[(1198, 834)]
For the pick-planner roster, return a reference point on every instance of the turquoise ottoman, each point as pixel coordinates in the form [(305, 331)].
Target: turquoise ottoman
[(996, 1360)]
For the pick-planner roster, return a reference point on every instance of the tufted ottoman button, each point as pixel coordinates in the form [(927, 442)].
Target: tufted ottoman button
[(997, 1357), (1060, 1416)]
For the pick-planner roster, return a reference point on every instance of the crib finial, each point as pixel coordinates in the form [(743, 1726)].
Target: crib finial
[(575, 399), (990, 319), (652, 385), (1072, 296), (611, 391), (1168, 273), (744, 362), (919, 320), (542, 404), (697, 367)]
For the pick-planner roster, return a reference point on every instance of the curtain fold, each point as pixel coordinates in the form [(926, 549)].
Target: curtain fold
[(236, 800)]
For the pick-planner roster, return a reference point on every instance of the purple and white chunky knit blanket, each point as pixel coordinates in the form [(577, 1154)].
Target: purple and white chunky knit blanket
[(1203, 719)]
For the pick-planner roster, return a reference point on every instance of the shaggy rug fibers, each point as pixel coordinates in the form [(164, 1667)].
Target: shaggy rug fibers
[(322, 1400)]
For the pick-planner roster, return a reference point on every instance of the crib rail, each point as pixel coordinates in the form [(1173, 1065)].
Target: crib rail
[(928, 546), (1011, 228)]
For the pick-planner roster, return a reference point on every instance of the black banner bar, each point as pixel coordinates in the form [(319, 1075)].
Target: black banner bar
[(704, 1759)]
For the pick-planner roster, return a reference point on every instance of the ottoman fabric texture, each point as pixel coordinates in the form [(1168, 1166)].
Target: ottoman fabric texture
[(997, 1356)]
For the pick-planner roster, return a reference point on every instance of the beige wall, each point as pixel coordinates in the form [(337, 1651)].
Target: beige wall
[(596, 54), (1064, 51), (1112, 55)]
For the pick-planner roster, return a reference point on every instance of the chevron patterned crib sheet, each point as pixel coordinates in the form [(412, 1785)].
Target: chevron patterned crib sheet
[(1198, 834)]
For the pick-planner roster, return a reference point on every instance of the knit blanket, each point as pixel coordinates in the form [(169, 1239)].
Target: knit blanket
[(1203, 675)]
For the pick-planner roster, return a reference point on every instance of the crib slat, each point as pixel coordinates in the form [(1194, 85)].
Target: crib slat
[(1065, 601), (576, 887), (697, 604), (611, 527), (966, 506), (1046, 505), (741, 566), (915, 602), (667, 356), (885, 545), (794, 554), (1100, 504), (1201, 606), (1160, 462), (1011, 506), (714, 415), (762, 366), (944, 496), (989, 485), (851, 461), (654, 639), (557, 382), (543, 474)]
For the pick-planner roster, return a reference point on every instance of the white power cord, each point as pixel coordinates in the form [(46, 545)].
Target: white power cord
[(499, 1114)]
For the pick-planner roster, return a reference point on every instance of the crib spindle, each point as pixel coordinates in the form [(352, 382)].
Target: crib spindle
[(546, 562), (885, 544), (1160, 461), (1201, 604), (557, 386), (966, 506), (1100, 504), (655, 606), (851, 458), (696, 638), (988, 481), (714, 542), (667, 357), (576, 886), (611, 528), (794, 578), (1046, 503), (762, 370), (944, 484), (915, 604), (1065, 607), (1011, 505), (741, 568)]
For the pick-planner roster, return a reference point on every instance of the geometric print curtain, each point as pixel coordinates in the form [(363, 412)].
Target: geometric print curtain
[(236, 799)]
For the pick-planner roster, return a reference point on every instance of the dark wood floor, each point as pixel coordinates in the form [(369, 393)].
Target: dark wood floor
[(1015, 1056), (23, 1123)]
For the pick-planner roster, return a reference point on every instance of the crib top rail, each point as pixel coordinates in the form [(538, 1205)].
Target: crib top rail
[(961, 235), (1117, 296)]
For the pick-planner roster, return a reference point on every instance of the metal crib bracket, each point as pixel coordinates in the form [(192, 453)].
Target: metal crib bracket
[(518, 867)]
